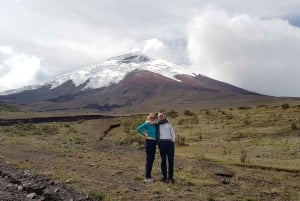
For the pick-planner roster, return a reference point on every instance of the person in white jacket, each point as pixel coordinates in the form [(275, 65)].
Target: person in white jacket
[(166, 141)]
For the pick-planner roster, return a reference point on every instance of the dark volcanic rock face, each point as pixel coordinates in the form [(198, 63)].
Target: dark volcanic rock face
[(132, 58)]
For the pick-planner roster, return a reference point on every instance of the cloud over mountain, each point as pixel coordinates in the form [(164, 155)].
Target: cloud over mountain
[(254, 53), (17, 69)]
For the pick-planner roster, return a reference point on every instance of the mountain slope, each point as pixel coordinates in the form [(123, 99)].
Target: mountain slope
[(126, 81)]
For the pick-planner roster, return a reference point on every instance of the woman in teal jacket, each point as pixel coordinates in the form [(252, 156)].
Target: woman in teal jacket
[(148, 131)]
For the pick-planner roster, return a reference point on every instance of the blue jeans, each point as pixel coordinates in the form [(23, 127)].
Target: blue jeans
[(166, 150), (150, 146)]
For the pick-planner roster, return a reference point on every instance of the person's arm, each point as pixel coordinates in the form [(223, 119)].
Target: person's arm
[(141, 129), (172, 133)]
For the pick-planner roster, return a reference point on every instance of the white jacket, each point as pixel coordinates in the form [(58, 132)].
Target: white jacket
[(166, 132)]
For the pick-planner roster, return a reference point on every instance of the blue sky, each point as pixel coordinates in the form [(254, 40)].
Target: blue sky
[(252, 44)]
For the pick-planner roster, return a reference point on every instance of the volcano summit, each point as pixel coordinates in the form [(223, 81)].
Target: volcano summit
[(132, 82)]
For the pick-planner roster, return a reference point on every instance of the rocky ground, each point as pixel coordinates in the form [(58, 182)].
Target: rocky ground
[(16, 184)]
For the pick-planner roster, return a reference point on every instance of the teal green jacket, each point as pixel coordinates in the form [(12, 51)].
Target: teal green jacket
[(147, 128)]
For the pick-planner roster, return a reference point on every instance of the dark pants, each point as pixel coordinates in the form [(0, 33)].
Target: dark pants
[(166, 150), (150, 146)]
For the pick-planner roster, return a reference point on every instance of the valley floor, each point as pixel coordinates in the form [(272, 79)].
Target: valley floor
[(110, 166), (116, 173)]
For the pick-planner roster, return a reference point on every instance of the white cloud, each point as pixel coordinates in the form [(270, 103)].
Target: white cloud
[(257, 54), (156, 49), (17, 69), (71, 34), (6, 50)]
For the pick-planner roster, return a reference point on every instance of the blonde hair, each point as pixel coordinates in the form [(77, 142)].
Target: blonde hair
[(150, 115)]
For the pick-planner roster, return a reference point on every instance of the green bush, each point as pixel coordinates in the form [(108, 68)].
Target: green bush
[(78, 140), (285, 106), (8, 108), (172, 114), (188, 113), (294, 126), (131, 139), (243, 156), (193, 120), (180, 140), (97, 195)]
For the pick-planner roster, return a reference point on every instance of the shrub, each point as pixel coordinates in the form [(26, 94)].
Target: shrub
[(180, 140), (132, 139), (49, 129), (97, 195), (172, 114), (285, 106), (8, 108), (78, 140), (229, 116), (188, 113), (193, 120), (25, 127), (294, 126), (243, 156)]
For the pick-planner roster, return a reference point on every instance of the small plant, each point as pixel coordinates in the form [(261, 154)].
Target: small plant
[(72, 130), (294, 126), (78, 140), (66, 125), (180, 140), (8, 108), (172, 114), (81, 121), (285, 106), (200, 136), (49, 129), (133, 140), (229, 116), (243, 156), (97, 195), (188, 113)]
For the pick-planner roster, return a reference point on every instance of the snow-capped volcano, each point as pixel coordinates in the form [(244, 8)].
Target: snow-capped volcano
[(113, 70), (121, 82)]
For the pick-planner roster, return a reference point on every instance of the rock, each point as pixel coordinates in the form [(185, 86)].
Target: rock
[(31, 195), (224, 173), (225, 180), (20, 187), (27, 172), (68, 181)]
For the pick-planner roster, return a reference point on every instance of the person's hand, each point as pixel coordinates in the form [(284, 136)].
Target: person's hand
[(145, 136)]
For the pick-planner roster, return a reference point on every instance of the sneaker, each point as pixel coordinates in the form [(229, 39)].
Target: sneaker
[(163, 179), (149, 179), (172, 181)]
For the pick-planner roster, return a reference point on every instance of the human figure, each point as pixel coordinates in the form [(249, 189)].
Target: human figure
[(148, 131), (166, 141)]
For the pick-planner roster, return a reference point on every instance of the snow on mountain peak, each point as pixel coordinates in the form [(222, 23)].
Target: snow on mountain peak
[(115, 69), (112, 71)]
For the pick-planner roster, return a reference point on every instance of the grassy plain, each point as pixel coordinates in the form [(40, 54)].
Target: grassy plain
[(241, 153)]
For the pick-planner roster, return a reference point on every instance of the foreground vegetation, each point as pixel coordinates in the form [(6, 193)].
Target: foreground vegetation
[(254, 149)]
